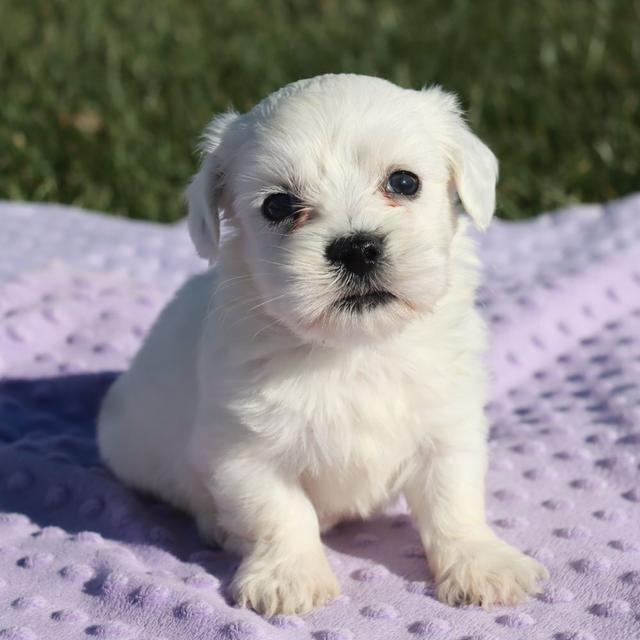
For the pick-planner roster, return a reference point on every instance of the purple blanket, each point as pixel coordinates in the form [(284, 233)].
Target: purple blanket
[(82, 556)]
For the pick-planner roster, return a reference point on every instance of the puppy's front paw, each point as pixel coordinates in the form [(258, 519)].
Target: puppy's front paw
[(485, 572), (289, 585)]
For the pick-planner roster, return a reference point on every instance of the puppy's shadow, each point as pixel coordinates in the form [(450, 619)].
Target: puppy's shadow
[(387, 542), (52, 474)]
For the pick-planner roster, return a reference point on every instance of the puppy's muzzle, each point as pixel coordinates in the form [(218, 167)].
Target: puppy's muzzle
[(357, 255)]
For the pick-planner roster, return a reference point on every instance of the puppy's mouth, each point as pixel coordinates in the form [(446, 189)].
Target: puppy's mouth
[(357, 303)]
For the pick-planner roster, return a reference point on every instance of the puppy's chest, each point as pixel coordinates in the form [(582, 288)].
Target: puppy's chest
[(355, 473), (342, 420), (356, 447)]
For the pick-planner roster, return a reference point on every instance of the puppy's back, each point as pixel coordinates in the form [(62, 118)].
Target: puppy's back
[(146, 415)]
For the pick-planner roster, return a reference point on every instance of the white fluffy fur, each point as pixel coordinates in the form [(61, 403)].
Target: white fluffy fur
[(268, 414)]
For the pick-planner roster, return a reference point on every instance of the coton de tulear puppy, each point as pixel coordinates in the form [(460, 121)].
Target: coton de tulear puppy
[(332, 358)]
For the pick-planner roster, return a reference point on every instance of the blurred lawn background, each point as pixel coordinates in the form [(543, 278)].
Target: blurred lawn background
[(102, 102)]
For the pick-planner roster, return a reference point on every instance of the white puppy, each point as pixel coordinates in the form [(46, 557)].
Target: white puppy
[(332, 359)]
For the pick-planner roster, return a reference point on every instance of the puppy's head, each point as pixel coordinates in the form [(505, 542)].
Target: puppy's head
[(340, 188)]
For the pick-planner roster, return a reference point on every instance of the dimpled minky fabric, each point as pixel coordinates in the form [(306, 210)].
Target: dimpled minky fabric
[(82, 556)]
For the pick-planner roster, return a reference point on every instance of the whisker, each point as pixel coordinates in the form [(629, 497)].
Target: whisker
[(268, 326), (282, 295)]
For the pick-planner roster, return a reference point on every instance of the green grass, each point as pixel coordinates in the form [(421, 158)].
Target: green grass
[(102, 101)]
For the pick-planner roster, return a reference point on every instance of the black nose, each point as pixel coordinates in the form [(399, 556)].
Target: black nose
[(359, 253)]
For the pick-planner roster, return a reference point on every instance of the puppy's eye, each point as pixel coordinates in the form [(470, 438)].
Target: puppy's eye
[(279, 206), (404, 183)]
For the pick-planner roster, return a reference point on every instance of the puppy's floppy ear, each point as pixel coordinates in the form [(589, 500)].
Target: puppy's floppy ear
[(205, 193), (475, 172)]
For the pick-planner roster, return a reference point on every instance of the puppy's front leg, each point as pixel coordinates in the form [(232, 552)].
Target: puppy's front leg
[(469, 562), (284, 568)]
